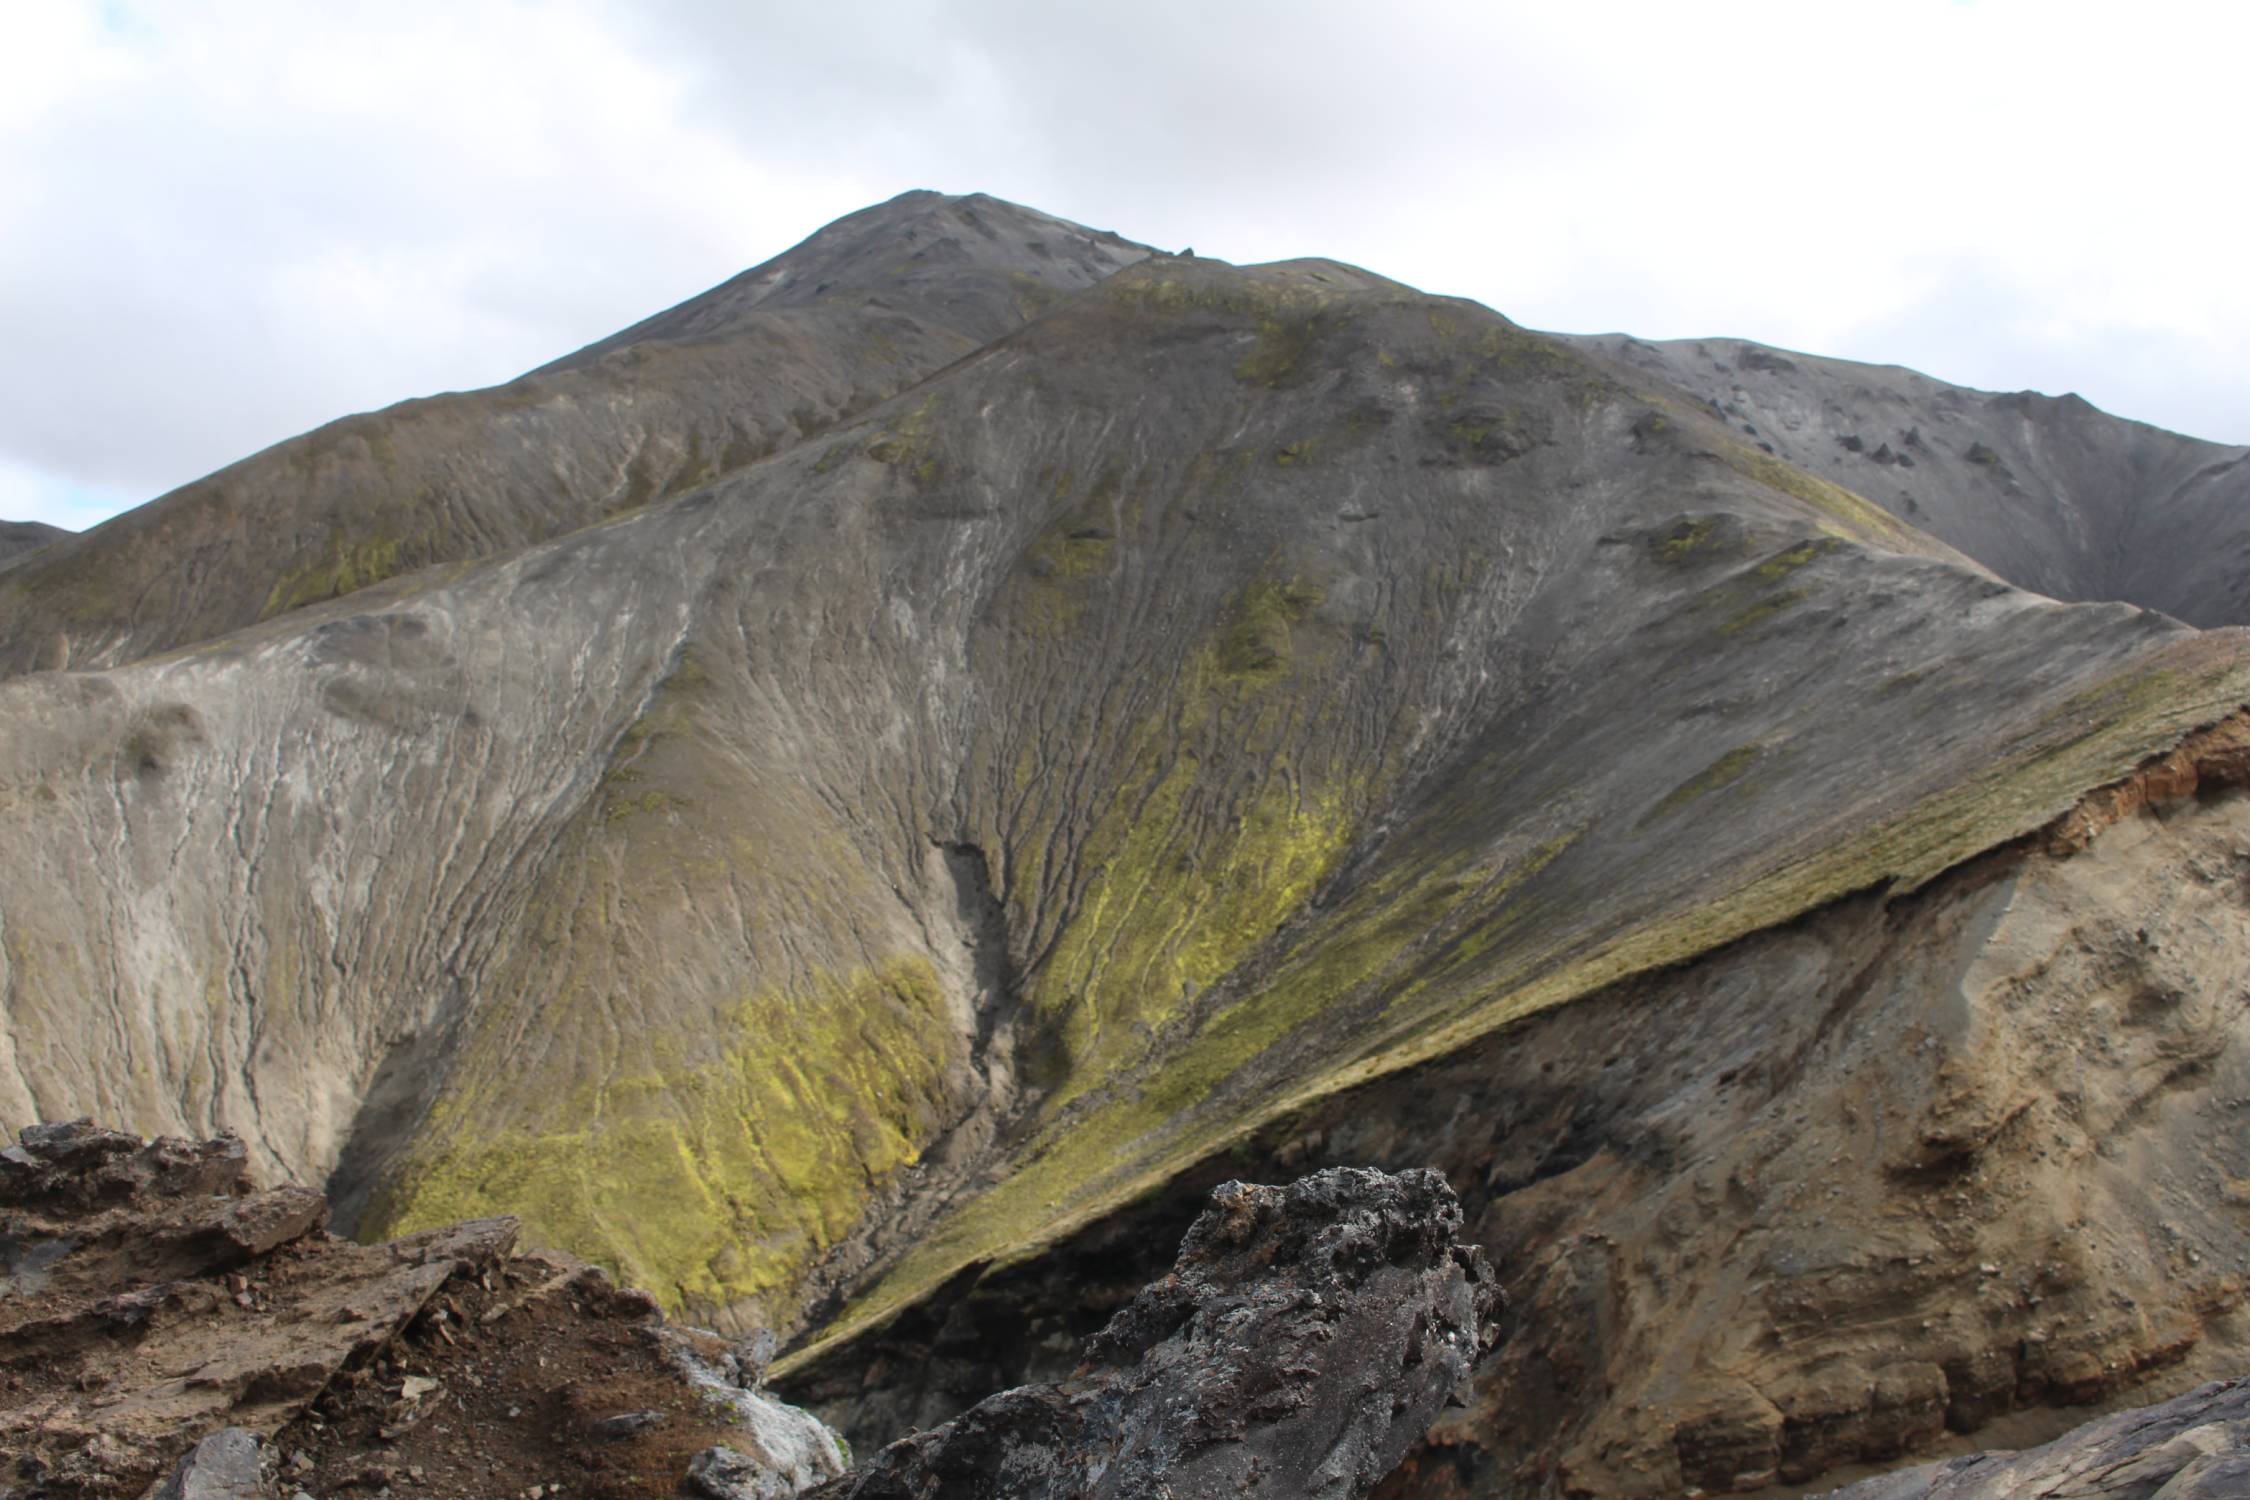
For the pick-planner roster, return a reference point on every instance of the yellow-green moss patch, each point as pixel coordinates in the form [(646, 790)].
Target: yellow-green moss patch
[(717, 1182)]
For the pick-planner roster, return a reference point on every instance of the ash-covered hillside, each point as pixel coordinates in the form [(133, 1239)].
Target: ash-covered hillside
[(869, 784)]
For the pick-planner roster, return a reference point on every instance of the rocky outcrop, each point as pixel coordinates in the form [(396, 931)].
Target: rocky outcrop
[(162, 1319), (1305, 1337), (2196, 1447)]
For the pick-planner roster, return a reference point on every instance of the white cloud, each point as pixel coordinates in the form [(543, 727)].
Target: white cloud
[(221, 224)]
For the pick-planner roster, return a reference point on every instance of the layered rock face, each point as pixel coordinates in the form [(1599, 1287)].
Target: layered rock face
[(1832, 1195), (890, 839)]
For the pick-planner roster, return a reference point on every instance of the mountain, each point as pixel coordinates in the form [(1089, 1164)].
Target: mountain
[(1207, 720), (863, 309), (19, 538), (2049, 492)]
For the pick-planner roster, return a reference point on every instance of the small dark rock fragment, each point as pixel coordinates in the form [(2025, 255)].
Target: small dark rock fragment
[(625, 1424)]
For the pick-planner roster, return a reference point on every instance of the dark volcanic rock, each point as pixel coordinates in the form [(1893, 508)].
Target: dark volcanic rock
[(2194, 1448), (1305, 1338), (224, 1466)]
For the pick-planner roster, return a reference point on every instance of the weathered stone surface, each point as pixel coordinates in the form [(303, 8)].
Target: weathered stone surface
[(1305, 1337), (2195, 1447), (227, 1465)]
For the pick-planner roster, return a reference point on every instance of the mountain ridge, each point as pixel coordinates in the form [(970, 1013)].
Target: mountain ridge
[(1222, 690)]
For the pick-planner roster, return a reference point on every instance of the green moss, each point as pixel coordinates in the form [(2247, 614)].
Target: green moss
[(1763, 610), (1723, 772), (1176, 904), (1050, 590), (1683, 539), (1286, 340), (910, 445), (1786, 562), (342, 569), (1861, 519), (712, 1183), (617, 807)]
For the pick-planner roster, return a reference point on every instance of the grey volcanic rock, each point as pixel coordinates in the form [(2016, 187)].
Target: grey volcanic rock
[(20, 538), (2196, 1447), (2051, 493), (1305, 1337), (224, 1466)]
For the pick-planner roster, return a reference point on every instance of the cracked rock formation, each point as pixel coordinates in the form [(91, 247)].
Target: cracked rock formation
[(1305, 1337)]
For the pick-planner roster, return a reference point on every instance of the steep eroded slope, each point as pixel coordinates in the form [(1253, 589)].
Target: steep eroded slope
[(863, 309)]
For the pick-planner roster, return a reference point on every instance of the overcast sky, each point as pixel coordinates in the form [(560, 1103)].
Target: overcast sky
[(222, 223)]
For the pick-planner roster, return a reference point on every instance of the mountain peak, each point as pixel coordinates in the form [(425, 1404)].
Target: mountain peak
[(972, 254)]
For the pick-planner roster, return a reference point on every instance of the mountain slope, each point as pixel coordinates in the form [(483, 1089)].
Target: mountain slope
[(2051, 493), (19, 538), (1232, 688), (859, 312)]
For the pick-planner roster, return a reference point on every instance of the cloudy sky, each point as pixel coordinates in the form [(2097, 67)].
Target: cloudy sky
[(226, 221)]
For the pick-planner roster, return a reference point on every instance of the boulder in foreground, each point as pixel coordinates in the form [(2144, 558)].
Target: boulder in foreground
[(1306, 1337)]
